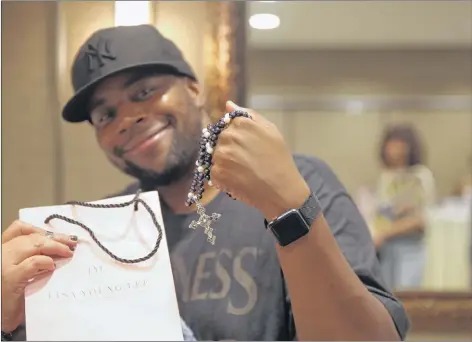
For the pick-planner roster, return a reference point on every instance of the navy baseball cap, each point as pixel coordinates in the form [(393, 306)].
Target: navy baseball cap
[(112, 50)]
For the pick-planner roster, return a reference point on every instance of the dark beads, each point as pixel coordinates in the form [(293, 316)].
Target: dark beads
[(207, 145)]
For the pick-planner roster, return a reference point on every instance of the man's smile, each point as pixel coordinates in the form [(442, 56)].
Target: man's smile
[(146, 140)]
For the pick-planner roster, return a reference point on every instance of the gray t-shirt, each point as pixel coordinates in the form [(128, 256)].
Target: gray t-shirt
[(235, 289)]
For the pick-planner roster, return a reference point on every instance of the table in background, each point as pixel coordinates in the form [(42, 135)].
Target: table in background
[(448, 241)]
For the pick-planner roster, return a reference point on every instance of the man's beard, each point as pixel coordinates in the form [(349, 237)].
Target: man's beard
[(179, 163)]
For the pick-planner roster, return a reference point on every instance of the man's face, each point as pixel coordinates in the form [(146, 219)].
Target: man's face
[(149, 126)]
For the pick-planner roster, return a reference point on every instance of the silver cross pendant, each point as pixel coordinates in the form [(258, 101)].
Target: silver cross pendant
[(205, 221)]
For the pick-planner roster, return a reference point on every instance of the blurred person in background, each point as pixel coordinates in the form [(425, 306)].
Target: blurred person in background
[(405, 189)]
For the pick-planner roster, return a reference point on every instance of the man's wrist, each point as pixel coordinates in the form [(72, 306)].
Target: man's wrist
[(293, 199)]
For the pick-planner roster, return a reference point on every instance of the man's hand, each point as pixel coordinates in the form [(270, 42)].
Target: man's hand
[(27, 252), (254, 164)]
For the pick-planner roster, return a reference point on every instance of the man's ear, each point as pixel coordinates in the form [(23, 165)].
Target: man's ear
[(196, 91)]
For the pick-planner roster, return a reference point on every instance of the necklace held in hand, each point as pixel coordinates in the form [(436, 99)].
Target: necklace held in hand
[(202, 172)]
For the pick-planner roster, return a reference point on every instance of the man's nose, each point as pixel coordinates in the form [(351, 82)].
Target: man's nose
[(132, 117), (130, 122)]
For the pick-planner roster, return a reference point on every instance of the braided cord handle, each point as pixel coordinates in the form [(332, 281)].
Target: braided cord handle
[(136, 200)]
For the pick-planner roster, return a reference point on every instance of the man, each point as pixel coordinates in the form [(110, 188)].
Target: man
[(290, 281)]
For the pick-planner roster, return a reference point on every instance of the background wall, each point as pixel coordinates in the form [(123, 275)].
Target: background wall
[(349, 141), (371, 71), (28, 107)]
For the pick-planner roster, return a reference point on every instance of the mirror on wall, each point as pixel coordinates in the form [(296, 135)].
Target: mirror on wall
[(360, 86), (362, 96)]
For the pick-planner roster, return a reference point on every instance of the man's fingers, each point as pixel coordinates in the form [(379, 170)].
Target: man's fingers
[(231, 106), (33, 266), (26, 246), (19, 228)]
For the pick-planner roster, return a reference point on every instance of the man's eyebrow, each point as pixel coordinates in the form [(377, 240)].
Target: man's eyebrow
[(130, 81), (135, 78), (95, 103)]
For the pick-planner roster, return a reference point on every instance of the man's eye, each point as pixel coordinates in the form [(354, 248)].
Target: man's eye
[(144, 94), (101, 118)]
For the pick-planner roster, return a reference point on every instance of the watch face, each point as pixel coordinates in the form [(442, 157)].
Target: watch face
[(289, 227)]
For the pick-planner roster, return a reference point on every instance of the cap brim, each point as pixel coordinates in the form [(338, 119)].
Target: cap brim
[(75, 109)]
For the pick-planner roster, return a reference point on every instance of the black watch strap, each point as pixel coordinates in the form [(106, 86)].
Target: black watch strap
[(309, 210), (295, 223)]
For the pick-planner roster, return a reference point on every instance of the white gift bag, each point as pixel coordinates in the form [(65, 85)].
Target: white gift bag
[(91, 296)]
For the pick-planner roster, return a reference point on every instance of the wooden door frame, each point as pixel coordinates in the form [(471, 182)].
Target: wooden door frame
[(438, 312)]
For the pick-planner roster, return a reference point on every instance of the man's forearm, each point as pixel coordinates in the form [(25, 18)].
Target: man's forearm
[(329, 301)]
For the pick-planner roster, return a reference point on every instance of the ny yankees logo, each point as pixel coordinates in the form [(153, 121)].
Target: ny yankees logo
[(99, 54), (205, 221)]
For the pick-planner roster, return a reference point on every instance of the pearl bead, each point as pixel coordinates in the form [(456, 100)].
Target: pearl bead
[(190, 195), (208, 145), (200, 169), (209, 150), (227, 119), (210, 183), (204, 130), (198, 163), (206, 134)]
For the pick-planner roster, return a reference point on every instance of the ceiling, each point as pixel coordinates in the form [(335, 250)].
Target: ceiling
[(364, 24)]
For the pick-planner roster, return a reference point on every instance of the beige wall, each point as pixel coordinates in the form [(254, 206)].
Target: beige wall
[(28, 103), (349, 143), (367, 71)]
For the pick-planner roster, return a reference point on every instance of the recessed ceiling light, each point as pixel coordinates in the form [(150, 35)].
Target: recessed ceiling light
[(264, 21)]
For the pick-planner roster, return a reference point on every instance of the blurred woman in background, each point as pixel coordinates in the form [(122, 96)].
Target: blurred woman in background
[(405, 189)]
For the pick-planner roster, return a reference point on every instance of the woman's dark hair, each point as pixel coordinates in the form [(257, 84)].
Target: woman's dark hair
[(407, 134)]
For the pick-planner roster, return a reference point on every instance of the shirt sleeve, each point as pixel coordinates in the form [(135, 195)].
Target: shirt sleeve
[(352, 235)]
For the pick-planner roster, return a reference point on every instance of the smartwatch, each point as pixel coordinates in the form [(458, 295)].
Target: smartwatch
[(295, 223)]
